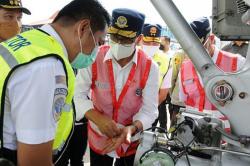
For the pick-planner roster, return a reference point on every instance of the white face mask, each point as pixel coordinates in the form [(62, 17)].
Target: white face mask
[(150, 50), (120, 51)]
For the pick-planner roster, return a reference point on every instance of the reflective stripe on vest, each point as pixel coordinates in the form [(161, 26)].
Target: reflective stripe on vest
[(7, 56), (227, 58), (163, 62), (25, 49), (188, 66), (101, 75)]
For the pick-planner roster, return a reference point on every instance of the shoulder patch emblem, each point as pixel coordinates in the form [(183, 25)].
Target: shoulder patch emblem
[(59, 102), (177, 61)]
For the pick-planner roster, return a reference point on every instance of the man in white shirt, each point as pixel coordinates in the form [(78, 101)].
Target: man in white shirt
[(40, 82), (165, 46), (10, 25), (124, 85)]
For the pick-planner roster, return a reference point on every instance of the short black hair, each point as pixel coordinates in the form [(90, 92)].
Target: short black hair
[(84, 9)]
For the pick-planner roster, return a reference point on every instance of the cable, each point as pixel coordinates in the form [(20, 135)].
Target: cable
[(220, 150), (185, 148), (151, 128), (226, 134), (154, 127), (190, 142), (185, 151), (187, 159)]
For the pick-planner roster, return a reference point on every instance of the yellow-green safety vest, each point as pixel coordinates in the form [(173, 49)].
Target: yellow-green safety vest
[(164, 63), (177, 60), (26, 48)]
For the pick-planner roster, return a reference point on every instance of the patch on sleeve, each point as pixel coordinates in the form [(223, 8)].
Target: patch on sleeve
[(61, 91), (61, 79), (177, 60), (59, 102)]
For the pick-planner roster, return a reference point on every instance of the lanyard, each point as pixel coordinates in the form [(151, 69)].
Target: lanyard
[(117, 103)]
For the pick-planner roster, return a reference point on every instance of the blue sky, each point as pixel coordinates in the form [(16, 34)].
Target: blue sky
[(42, 9)]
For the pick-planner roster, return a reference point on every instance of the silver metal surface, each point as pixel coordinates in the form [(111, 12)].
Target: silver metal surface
[(238, 81), (220, 150), (186, 37), (236, 109), (222, 91)]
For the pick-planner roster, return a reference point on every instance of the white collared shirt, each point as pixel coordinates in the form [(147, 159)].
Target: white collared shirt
[(148, 112), (50, 30), (31, 97)]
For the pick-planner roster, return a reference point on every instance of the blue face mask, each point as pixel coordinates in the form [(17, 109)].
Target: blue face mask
[(83, 60)]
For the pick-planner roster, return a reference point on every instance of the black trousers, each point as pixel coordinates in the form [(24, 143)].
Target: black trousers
[(175, 109), (170, 106), (9, 157), (162, 118), (76, 148), (105, 160)]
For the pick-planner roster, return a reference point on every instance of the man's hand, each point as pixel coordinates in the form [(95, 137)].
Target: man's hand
[(106, 125), (124, 137)]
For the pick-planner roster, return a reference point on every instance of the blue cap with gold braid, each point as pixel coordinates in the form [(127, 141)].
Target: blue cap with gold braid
[(152, 33), (126, 22), (14, 4)]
